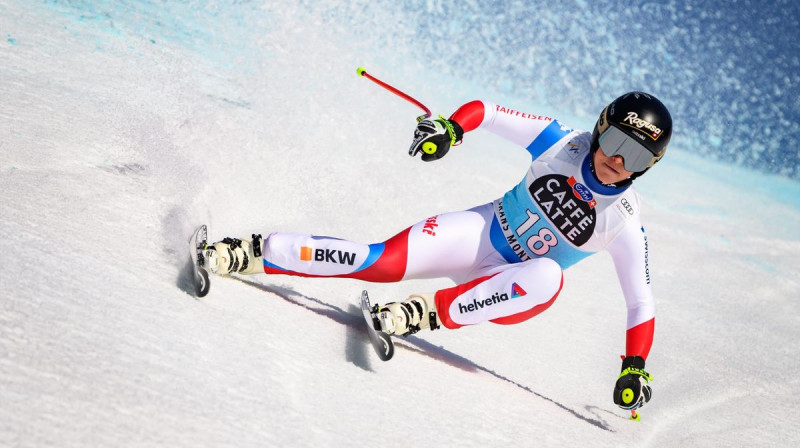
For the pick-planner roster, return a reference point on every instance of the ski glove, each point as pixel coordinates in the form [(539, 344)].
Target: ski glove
[(632, 390), (434, 137)]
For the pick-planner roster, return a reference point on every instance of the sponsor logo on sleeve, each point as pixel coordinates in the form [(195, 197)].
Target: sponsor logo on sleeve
[(517, 113), (646, 258)]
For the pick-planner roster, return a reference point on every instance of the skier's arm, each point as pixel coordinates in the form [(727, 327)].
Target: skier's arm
[(630, 254), (534, 132)]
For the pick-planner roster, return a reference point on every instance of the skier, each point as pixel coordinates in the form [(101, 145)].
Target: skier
[(506, 257)]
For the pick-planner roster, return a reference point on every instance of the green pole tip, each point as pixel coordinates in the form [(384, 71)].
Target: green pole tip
[(361, 71)]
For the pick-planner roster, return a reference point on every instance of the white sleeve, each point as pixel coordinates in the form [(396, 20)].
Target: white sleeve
[(518, 127), (629, 251)]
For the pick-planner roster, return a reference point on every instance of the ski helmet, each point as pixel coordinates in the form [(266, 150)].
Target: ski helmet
[(636, 126)]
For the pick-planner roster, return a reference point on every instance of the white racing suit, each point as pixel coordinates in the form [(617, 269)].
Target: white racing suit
[(507, 256)]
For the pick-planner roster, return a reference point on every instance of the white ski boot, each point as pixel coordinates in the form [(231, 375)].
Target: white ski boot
[(408, 317), (232, 255)]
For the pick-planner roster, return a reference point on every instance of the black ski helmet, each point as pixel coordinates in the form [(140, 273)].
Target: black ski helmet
[(643, 118)]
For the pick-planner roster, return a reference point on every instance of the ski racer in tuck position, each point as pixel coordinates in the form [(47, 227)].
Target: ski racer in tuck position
[(506, 257)]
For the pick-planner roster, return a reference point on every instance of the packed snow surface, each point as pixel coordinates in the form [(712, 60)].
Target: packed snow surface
[(124, 125)]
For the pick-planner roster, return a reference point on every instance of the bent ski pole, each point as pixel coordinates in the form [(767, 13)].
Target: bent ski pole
[(363, 72)]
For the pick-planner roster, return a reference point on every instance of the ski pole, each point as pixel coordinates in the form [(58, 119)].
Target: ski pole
[(363, 72)]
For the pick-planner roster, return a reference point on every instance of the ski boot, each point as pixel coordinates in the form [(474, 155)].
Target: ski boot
[(232, 255), (408, 317)]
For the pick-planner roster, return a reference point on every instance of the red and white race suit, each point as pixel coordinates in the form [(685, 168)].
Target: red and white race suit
[(506, 257)]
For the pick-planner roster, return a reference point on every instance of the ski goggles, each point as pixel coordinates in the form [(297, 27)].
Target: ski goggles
[(636, 156)]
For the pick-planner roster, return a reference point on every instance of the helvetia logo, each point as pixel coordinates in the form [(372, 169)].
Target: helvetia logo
[(516, 291), (327, 256)]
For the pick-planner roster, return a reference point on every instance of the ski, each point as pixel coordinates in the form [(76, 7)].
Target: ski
[(200, 276), (381, 342)]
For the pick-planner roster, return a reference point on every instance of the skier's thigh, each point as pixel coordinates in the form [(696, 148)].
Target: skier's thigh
[(447, 244), (508, 295)]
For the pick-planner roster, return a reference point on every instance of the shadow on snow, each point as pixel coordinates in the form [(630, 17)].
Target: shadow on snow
[(358, 348)]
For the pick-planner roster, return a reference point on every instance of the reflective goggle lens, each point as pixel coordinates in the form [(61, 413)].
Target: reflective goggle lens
[(615, 142)]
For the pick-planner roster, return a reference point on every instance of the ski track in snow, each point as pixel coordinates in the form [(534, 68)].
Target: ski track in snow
[(354, 319)]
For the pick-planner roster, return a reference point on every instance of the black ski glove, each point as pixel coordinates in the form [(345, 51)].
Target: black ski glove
[(434, 137), (632, 390)]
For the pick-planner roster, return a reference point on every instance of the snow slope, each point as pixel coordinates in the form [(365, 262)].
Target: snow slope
[(124, 125)]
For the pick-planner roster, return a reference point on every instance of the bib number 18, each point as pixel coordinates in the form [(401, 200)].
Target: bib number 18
[(539, 243)]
